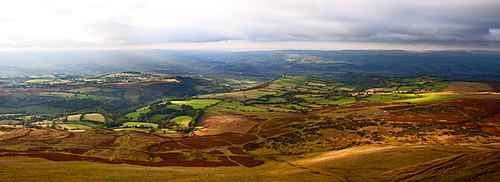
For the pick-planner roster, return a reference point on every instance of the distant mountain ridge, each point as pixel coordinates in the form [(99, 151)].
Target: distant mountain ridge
[(257, 65)]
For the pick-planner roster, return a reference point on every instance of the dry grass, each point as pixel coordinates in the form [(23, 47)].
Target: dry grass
[(468, 87), (29, 169), (366, 163), (214, 124)]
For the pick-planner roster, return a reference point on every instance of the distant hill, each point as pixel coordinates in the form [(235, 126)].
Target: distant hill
[(257, 65)]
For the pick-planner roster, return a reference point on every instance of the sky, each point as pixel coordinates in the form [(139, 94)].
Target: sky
[(40, 25)]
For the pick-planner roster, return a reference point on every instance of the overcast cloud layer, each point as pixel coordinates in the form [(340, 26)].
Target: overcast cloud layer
[(54, 24)]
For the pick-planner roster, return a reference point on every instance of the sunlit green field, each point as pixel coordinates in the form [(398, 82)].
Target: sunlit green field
[(182, 121), (134, 116), (140, 123), (294, 106), (413, 98), (240, 107), (94, 117), (75, 117), (197, 103), (294, 80), (344, 101), (87, 123)]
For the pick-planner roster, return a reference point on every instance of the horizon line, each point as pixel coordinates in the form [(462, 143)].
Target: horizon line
[(244, 46)]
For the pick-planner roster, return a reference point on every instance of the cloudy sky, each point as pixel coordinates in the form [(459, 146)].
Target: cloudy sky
[(249, 24)]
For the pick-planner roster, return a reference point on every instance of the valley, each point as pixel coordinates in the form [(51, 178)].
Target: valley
[(355, 127)]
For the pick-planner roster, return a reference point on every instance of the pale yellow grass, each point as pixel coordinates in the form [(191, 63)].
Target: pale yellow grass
[(346, 153), (36, 169)]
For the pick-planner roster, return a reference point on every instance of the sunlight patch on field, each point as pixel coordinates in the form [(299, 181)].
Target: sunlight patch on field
[(134, 116), (75, 117), (197, 103), (94, 117), (345, 153), (366, 163), (240, 107), (344, 101), (410, 98), (139, 123), (182, 121), (430, 97)]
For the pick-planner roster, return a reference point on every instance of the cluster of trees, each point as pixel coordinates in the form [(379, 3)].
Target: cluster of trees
[(170, 111), (186, 86), (108, 105)]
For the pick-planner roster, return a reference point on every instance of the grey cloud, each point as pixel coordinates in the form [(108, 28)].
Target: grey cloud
[(386, 21), (128, 34), (408, 21)]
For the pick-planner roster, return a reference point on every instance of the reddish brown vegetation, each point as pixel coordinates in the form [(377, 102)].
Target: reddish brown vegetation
[(202, 143), (269, 133), (102, 145), (464, 112), (236, 150), (363, 105), (235, 138)]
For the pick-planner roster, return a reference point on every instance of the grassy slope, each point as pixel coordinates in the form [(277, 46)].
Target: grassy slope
[(197, 103), (413, 98), (28, 169), (365, 163), (94, 117), (182, 121), (139, 123), (135, 115)]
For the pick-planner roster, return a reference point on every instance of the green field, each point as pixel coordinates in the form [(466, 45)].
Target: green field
[(158, 116), (240, 107), (6, 110), (182, 121), (30, 117), (86, 123), (56, 94), (90, 89), (75, 117), (344, 101), (236, 96), (82, 96), (140, 123), (437, 85), (132, 95), (94, 117), (291, 80), (413, 98), (197, 103), (37, 108), (134, 116), (294, 106)]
